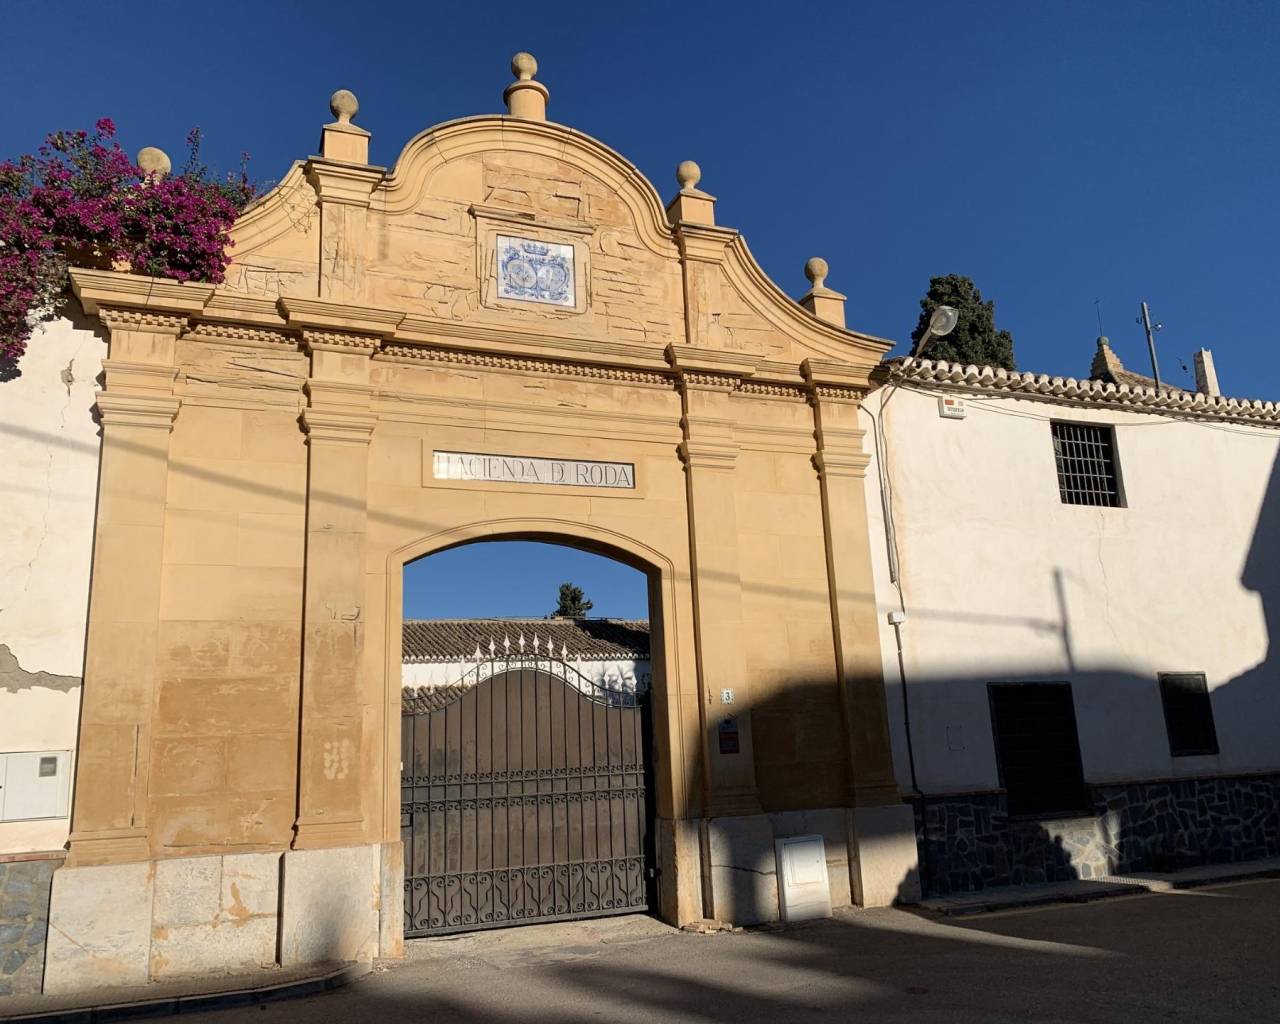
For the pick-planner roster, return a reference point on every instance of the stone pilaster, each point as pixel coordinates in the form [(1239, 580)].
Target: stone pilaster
[(137, 410), (709, 452), (835, 394), (336, 717), (343, 191)]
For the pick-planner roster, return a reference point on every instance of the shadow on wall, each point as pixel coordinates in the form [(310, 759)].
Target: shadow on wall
[(1230, 813)]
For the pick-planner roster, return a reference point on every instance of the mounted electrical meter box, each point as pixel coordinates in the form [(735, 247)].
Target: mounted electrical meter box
[(804, 891), (35, 785), (950, 408)]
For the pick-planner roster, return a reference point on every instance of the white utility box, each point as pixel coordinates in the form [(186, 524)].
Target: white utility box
[(804, 892), (35, 785)]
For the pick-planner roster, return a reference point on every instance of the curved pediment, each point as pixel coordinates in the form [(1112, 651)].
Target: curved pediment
[(478, 214), (434, 154)]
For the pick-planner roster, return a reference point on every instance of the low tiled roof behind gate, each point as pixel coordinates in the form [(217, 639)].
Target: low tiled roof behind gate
[(457, 639)]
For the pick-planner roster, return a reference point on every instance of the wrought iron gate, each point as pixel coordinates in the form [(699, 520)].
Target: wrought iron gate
[(523, 798)]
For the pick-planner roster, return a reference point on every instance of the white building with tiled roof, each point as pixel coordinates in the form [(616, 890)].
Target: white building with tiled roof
[(612, 654), (1079, 593)]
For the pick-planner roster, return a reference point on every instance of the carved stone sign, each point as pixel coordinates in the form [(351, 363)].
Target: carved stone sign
[(535, 271), (520, 469)]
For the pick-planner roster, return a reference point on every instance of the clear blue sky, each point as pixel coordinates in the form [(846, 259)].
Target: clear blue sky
[(1058, 153), (518, 578)]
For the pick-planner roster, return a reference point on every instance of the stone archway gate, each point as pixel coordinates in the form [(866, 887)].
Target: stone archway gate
[(403, 360)]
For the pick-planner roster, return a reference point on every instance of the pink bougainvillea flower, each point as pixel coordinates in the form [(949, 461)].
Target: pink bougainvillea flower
[(80, 201)]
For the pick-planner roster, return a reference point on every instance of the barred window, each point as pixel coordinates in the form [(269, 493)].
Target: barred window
[(1085, 454), (1188, 715)]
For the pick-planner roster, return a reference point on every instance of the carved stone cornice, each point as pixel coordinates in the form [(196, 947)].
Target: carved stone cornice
[(338, 395), (772, 389), (702, 381), (338, 426), (710, 369), (830, 463), (98, 288), (241, 309), (154, 411), (340, 341), (465, 357), (321, 315), (125, 376), (833, 381), (519, 218), (710, 454), (347, 184), (143, 320), (703, 243), (241, 335), (837, 393)]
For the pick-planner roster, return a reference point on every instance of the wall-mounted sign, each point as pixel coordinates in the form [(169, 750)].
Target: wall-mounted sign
[(521, 469), (728, 733)]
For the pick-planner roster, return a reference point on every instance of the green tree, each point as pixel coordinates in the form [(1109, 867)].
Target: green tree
[(975, 338), (573, 603)]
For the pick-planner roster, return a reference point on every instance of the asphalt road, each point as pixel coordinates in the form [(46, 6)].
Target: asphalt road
[(1209, 954)]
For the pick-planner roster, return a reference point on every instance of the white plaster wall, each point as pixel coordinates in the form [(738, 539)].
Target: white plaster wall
[(48, 476), (1004, 582)]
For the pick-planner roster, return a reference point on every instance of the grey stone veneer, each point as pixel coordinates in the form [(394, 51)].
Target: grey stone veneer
[(968, 842), (24, 920)]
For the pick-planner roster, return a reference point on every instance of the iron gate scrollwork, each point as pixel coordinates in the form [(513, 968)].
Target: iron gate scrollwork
[(523, 798)]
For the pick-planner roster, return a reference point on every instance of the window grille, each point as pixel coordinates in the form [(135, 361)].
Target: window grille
[(1086, 459), (1037, 748), (1188, 715)]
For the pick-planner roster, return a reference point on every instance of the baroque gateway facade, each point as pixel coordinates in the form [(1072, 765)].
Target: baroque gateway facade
[(507, 335)]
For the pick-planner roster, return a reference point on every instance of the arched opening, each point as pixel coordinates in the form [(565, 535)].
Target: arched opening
[(526, 674)]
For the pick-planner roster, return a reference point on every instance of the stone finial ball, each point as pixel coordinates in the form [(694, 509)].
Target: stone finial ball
[(154, 161), (688, 174), (344, 105), (523, 66), (816, 269)]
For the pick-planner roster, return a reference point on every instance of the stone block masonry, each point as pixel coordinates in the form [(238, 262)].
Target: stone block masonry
[(150, 921), (968, 842), (24, 921)]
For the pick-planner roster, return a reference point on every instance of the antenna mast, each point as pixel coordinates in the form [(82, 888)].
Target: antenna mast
[(1151, 330)]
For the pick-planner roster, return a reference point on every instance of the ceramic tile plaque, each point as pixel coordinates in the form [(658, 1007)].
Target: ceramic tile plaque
[(534, 271)]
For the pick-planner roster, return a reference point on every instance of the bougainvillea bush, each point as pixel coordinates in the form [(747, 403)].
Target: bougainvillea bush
[(81, 202)]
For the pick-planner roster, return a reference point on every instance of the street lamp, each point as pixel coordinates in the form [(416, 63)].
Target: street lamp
[(942, 323)]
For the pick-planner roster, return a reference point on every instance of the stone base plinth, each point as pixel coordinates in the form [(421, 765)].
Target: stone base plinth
[(679, 853), (121, 925), (99, 927), (740, 875), (330, 905), (118, 925), (391, 901), (885, 868), (739, 862), (214, 914)]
